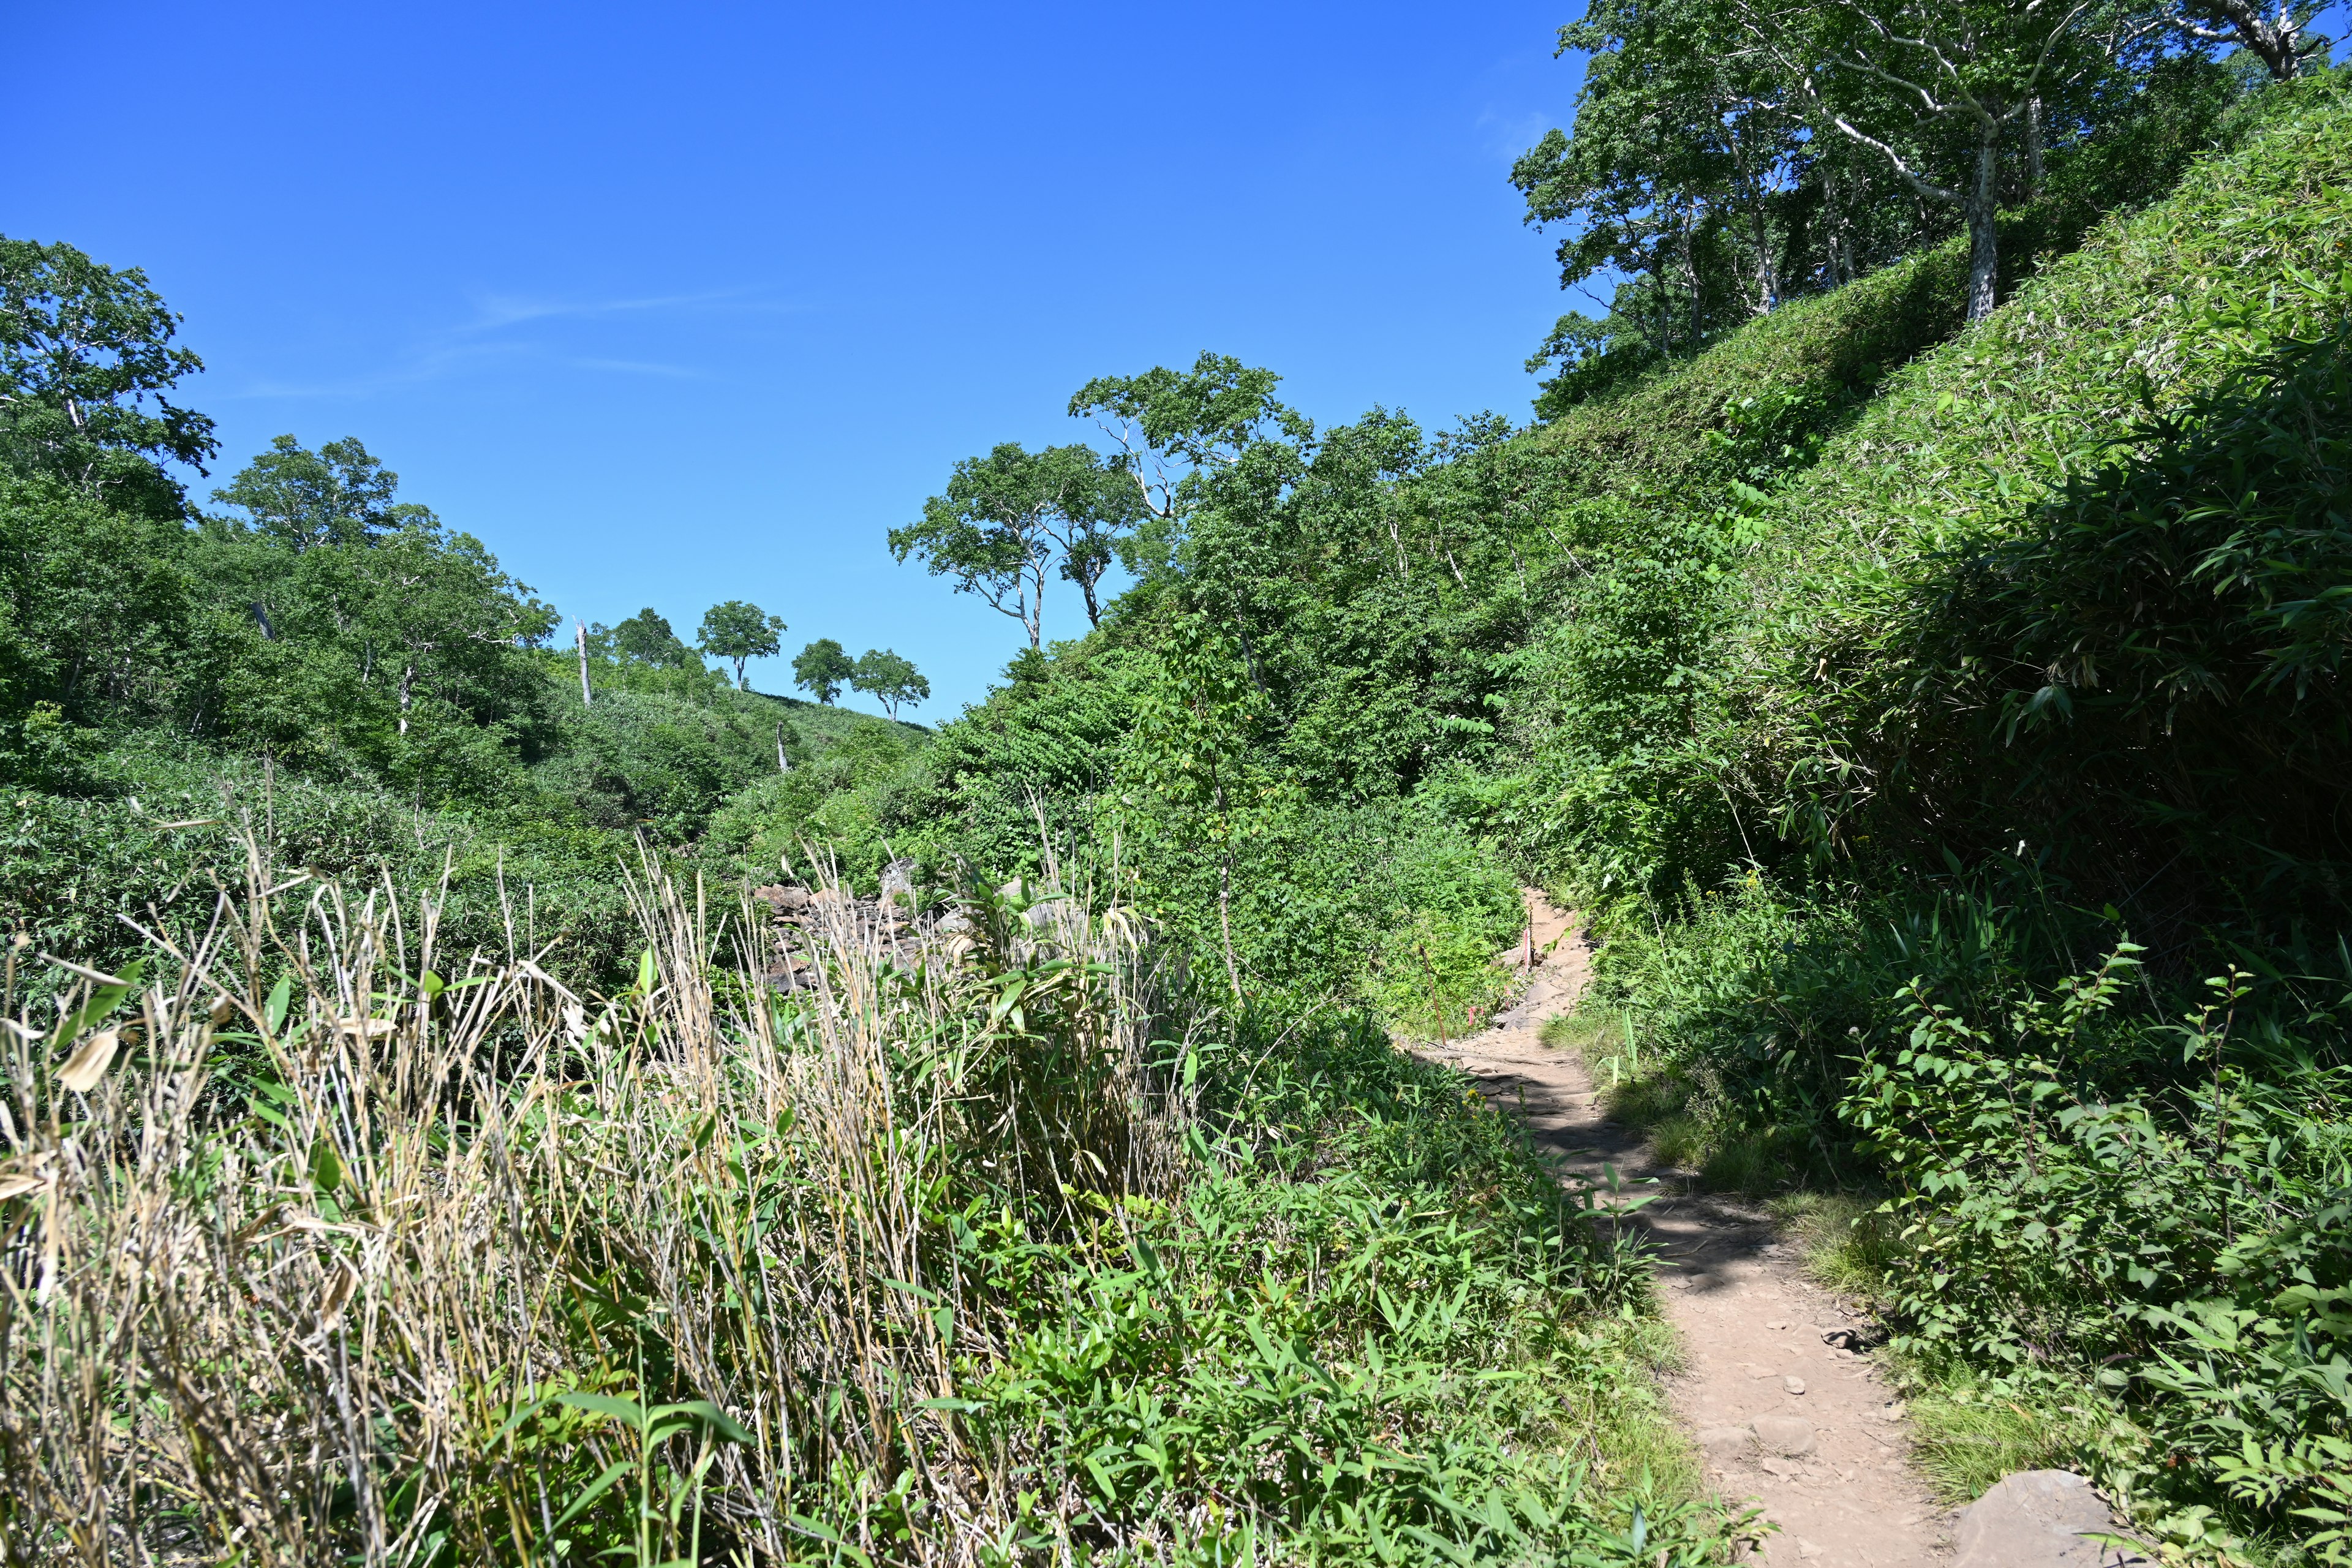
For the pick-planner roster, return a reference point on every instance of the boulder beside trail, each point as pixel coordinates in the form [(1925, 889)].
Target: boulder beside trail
[(2039, 1519)]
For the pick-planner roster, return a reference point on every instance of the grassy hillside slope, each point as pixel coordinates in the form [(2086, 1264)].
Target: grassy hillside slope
[(2011, 810), (2074, 566)]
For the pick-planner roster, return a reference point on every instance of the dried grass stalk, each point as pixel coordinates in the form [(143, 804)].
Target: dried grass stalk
[(324, 1258)]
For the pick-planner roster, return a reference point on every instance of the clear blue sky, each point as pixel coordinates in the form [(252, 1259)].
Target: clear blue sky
[(674, 304)]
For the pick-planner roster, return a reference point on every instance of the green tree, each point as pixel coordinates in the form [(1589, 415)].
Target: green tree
[(86, 356), (351, 629), (1196, 749), (648, 638), (336, 495), (93, 604), (739, 630), (1672, 176), (1177, 431), (1937, 90), (2281, 37), (890, 679), (1007, 516), (823, 669)]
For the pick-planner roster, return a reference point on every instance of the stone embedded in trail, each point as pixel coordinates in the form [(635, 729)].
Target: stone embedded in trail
[(1788, 1435), (1723, 1443), (2038, 1518), (1793, 1385)]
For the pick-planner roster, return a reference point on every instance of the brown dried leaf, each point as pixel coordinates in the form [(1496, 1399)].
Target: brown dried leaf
[(346, 1281), (90, 1061)]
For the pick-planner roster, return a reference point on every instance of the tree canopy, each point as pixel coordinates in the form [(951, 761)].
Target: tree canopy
[(1007, 516), (1728, 154), (890, 679), (823, 669), (648, 638), (739, 631), (336, 495), (86, 357)]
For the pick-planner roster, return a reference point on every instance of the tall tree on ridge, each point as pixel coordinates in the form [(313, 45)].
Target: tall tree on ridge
[(336, 495), (649, 638), (1925, 84), (889, 678), (739, 630), (2282, 40), (84, 350), (1681, 141), (821, 670), (1006, 516), (1177, 431)]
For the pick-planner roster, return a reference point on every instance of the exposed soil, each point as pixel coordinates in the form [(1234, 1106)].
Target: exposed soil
[(1787, 1417)]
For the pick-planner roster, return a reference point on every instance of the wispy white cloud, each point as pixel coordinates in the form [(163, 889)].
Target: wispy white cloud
[(494, 311), (640, 367), (500, 330), (1508, 134)]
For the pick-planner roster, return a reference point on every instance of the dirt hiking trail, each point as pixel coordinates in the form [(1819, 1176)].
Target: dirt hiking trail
[(1784, 1417)]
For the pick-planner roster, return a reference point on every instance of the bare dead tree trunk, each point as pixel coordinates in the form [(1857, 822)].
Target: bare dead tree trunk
[(407, 687), (587, 697), (783, 764)]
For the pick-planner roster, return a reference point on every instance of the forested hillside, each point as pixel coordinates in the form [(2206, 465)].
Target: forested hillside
[(1912, 630)]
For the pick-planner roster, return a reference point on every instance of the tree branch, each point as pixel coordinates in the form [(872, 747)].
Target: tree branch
[(1932, 191)]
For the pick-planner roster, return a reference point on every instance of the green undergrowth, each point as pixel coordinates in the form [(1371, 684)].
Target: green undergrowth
[(2069, 577), (2104, 1214), (1374, 1320), (1023, 1255), (153, 828)]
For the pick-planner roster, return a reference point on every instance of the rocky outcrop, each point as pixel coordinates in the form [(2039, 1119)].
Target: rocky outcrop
[(895, 919)]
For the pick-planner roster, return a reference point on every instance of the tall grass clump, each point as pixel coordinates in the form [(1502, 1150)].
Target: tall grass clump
[(477, 1265), (321, 1241)]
